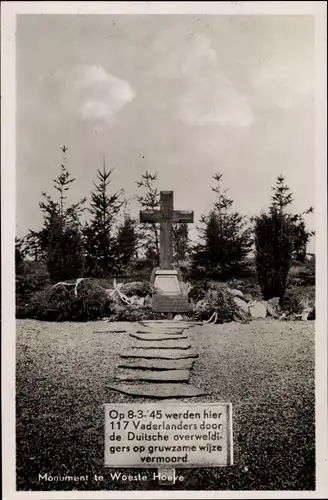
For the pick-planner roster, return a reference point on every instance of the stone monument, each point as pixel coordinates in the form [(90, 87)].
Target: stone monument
[(167, 277)]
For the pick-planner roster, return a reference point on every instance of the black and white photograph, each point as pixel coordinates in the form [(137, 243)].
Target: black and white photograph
[(164, 196)]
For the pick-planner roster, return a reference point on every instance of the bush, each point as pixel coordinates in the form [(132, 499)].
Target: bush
[(134, 312), (60, 303), (217, 298), (302, 274), (296, 298), (138, 288), (273, 246), (199, 289), (31, 280), (65, 258)]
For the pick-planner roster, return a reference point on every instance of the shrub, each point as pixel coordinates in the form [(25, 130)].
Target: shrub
[(199, 290), (60, 303), (65, 257), (218, 299), (273, 246), (296, 298), (138, 288), (31, 280)]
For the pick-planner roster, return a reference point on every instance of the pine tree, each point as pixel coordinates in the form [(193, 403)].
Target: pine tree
[(59, 240), (281, 197), (300, 236), (126, 243), (149, 232), (226, 239), (34, 246), (98, 233), (180, 241), (273, 246)]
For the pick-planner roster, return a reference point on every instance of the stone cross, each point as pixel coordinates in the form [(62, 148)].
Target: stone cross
[(166, 216)]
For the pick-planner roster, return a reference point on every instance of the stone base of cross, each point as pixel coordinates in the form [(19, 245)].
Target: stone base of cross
[(167, 278)]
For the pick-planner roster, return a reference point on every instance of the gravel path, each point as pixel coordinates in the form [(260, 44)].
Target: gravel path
[(265, 369)]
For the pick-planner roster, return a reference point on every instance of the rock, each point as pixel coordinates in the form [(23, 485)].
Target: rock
[(236, 293), (271, 310), (258, 310), (158, 364), (178, 317), (274, 302), (241, 303), (160, 353), (273, 307), (158, 390), (157, 375)]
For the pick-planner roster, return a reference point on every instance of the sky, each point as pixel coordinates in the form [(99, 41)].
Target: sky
[(181, 96)]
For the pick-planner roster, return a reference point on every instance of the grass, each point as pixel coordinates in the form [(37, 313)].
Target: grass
[(265, 369)]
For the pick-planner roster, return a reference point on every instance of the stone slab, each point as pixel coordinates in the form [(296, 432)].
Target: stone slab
[(157, 336), (158, 390), (167, 324), (160, 353), (110, 331), (161, 331), (159, 344), (157, 364), (164, 326), (156, 376)]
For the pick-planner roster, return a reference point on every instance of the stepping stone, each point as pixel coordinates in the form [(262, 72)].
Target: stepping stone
[(160, 353), (157, 364), (111, 331), (177, 326), (158, 390), (162, 344), (160, 332), (157, 336), (157, 376), (169, 324)]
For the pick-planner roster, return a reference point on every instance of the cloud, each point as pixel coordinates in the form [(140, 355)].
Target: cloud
[(284, 83), (95, 94), (207, 95)]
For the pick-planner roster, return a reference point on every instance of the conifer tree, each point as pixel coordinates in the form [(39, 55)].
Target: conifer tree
[(281, 199), (149, 233), (60, 239), (180, 241), (273, 246), (226, 239), (126, 243), (98, 233)]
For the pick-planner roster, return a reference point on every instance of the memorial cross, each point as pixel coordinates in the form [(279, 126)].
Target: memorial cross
[(166, 216)]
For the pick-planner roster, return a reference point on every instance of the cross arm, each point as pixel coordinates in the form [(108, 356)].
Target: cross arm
[(150, 216), (183, 216)]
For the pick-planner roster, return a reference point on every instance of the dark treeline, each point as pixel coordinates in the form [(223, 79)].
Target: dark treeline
[(111, 241)]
